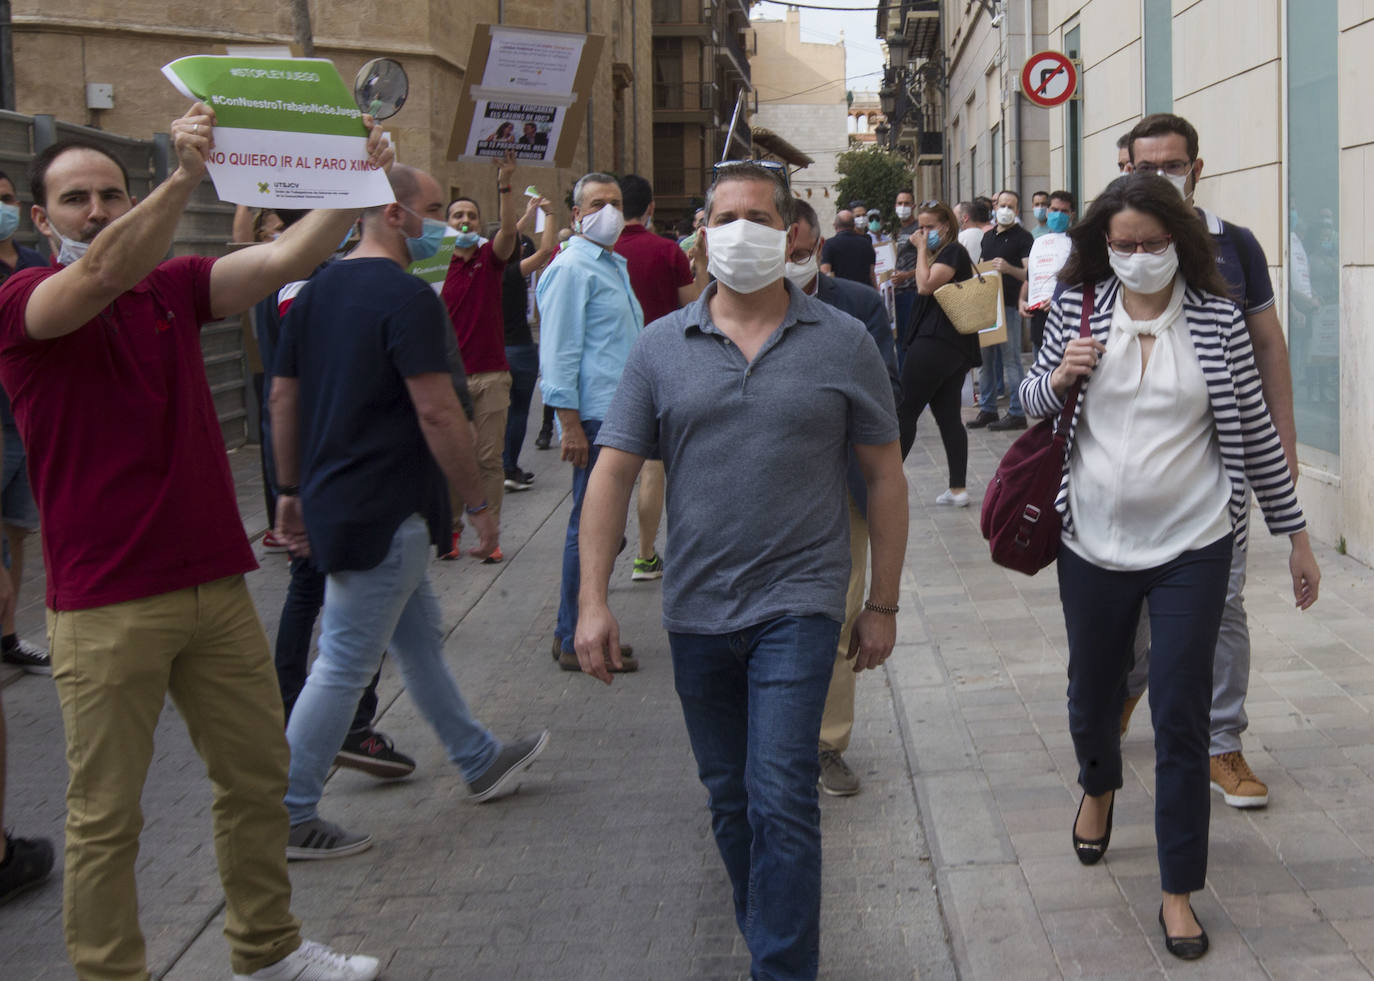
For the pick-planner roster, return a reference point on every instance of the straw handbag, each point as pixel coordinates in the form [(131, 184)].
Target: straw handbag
[(972, 305)]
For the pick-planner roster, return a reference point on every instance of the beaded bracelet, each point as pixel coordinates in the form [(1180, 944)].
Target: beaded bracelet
[(879, 608)]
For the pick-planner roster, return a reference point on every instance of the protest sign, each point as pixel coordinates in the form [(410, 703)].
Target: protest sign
[(525, 91), (1047, 257), (885, 261), (287, 132)]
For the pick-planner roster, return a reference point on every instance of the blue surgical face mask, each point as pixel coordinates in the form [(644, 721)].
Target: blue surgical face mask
[(1039, 211), (467, 237), (932, 238), (9, 220), (1058, 221), (431, 236)]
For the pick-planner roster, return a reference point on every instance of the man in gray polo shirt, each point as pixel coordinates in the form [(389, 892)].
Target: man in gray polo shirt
[(758, 379)]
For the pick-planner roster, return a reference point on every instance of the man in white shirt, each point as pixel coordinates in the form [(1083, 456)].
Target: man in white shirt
[(974, 220)]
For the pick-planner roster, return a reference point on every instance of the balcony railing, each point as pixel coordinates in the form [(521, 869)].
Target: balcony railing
[(686, 96), (675, 181), (680, 11), (733, 44)]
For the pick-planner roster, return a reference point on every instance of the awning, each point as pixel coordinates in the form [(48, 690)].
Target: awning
[(771, 142)]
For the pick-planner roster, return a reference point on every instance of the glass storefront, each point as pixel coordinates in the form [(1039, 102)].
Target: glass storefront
[(1314, 221)]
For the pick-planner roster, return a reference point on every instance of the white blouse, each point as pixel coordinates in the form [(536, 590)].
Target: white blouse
[(1146, 479)]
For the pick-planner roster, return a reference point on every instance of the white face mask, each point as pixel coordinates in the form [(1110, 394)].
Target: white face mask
[(801, 273), (71, 249), (903, 211), (1005, 216), (602, 226), (1180, 184), (745, 255), (1141, 272)]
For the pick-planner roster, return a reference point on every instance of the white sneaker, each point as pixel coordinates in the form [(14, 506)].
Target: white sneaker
[(959, 500), (313, 961)]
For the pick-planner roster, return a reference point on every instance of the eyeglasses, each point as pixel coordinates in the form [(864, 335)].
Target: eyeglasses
[(1126, 246), (1174, 168), (929, 204)]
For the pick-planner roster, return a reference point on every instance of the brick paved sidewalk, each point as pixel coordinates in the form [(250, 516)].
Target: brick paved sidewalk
[(602, 865)]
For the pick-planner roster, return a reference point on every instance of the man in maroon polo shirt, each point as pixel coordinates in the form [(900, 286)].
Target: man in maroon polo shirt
[(664, 278), (472, 293), (143, 544)]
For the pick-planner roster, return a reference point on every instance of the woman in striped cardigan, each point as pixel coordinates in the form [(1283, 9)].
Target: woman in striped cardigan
[(1169, 428)]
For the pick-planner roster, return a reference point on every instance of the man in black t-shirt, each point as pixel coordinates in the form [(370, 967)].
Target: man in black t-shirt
[(1006, 246), (849, 254), (367, 426)]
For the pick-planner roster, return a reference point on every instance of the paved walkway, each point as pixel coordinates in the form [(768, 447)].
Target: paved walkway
[(954, 861)]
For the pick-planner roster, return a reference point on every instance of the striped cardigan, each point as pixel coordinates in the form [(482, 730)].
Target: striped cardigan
[(1250, 447)]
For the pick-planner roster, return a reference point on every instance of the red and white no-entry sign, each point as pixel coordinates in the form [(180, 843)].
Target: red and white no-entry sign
[(1049, 78)]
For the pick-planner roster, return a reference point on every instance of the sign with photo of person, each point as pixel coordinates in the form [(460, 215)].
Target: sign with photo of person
[(526, 91), (528, 128)]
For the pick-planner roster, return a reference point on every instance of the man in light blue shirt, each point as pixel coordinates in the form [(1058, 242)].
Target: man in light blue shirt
[(589, 320)]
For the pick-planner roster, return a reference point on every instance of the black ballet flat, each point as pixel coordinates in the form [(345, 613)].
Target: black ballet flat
[(1184, 948), (1090, 852)]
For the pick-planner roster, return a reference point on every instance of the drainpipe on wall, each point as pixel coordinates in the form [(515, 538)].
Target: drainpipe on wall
[(591, 142), (6, 58), (305, 36)]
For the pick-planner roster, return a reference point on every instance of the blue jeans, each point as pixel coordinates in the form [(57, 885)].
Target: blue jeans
[(299, 611), (1011, 364), (752, 701), (1101, 607), (524, 374), (566, 626), (391, 605)]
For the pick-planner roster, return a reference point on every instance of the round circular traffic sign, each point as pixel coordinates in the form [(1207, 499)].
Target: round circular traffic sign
[(1049, 78)]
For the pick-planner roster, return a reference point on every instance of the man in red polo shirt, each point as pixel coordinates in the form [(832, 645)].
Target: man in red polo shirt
[(662, 276), (143, 545), (472, 293)]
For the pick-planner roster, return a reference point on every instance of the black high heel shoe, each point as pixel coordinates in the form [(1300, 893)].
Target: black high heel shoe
[(1090, 851), (1184, 948)]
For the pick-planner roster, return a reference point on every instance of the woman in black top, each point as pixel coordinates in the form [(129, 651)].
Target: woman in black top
[(939, 356)]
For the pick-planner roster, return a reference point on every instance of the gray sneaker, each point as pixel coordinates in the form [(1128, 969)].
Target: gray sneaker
[(837, 779), (318, 838), (513, 758)]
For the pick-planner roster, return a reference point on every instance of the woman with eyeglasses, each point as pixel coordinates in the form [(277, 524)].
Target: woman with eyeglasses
[(1170, 426), (938, 356)]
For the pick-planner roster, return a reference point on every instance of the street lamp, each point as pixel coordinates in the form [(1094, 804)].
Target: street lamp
[(897, 45), (880, 133), (887, 99)]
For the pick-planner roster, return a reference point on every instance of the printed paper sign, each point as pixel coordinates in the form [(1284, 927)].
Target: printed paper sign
[(885, 260), (530, 129), (1047, 257), (526, 91), (287, 132), (532, 62)]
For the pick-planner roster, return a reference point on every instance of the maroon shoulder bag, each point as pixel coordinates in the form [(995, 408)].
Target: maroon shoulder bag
[(1019, 519)]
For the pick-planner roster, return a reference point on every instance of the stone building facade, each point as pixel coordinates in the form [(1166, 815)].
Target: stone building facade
[(61, 45), (801, 97)]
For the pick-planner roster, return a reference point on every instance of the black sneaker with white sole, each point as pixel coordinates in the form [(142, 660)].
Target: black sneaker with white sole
[(510, 761), (318, 838), (373, 753), (518, 480), (30, 657)]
